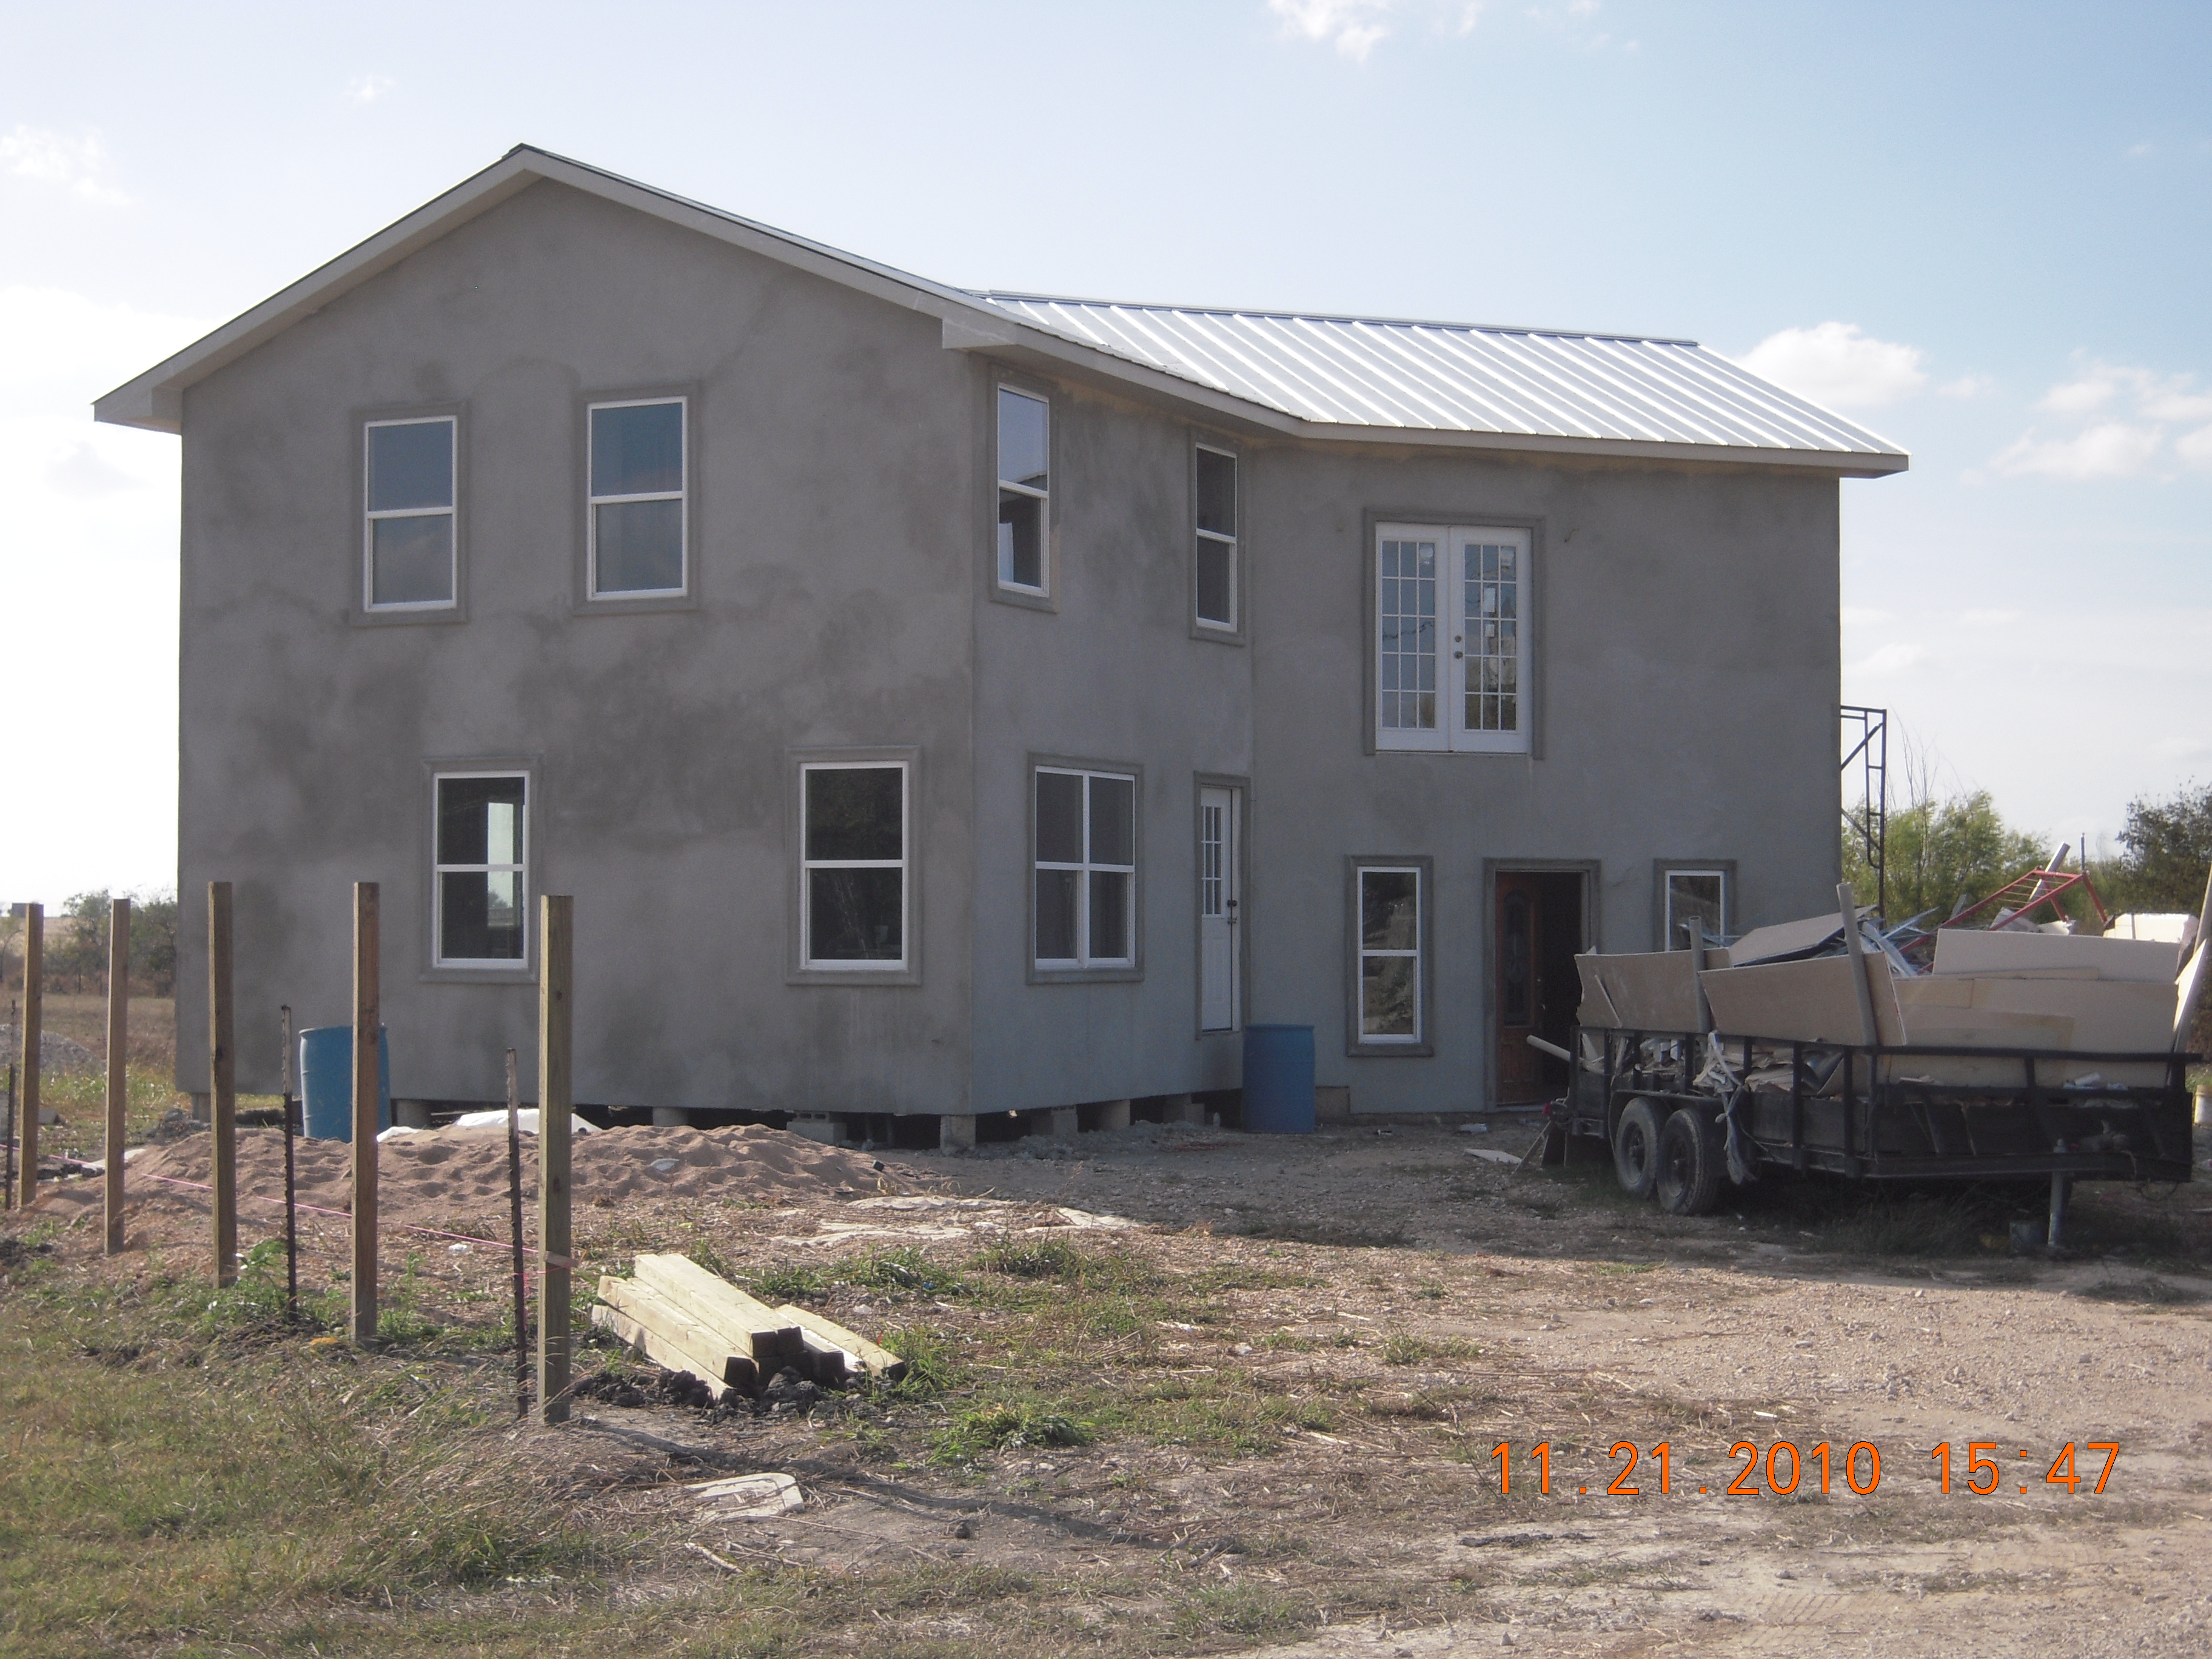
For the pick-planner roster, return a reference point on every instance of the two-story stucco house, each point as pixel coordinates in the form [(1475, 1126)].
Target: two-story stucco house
[(945, 703)]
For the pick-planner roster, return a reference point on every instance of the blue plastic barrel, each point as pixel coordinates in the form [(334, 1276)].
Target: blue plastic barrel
[(327, 1081), (1278, 1079)]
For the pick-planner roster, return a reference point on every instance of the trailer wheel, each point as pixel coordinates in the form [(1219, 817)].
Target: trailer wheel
[(1691, 1164), (1636, 1148)]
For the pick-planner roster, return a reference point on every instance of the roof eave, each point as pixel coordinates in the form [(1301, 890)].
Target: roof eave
[(155, 400)]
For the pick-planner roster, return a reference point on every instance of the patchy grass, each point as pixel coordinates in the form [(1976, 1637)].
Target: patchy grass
[(2149, 1290)]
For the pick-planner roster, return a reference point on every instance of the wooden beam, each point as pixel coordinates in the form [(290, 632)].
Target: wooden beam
[(367, 1028), (555, 1091), (752, 1327), (32, 1032), (697, 1347), (119, 1062), (222, 1083), (863, 1355), (643, 1340)]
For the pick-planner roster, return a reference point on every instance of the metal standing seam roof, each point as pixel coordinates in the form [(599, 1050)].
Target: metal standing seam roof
[(1454, 377)]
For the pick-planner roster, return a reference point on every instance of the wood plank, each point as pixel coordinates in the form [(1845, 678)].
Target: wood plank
[(32, 1032), (650, 1344), (222, 1084), (753, 1329), (555, 1084), (708, 1352), (118, 1052), (864, 1355), (367, 1026)]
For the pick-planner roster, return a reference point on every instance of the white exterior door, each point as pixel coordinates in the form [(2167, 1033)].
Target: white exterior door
[(1217, 910)]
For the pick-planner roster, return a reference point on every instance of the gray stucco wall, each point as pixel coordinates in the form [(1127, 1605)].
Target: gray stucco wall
[(1687, 657), (833, 555)]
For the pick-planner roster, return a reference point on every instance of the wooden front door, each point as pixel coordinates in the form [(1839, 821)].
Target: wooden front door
[(1518, 976)]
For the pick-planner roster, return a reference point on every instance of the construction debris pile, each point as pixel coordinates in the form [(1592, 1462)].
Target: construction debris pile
[(683, 1318)]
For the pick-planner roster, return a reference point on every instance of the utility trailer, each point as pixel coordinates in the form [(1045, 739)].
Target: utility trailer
[(2012, 1057), (1685, 1114)]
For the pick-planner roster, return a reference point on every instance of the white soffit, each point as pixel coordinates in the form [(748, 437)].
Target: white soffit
[(1414, 377)]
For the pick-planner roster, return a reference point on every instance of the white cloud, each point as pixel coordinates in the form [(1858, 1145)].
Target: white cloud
[(1833, 363), (1968, 385), (367, 88), (1356, 26), (1992, 618), (1353, 26), (2128, 411), (1859, 615), (2138, 151), (59, 351), (50, 158), (2111, 449)]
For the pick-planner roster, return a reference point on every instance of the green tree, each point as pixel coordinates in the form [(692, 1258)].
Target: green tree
[(2167, 851), (81, 947), (1942, 854)]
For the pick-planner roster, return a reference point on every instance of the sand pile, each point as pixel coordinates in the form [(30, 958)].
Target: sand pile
[(445, 1173)]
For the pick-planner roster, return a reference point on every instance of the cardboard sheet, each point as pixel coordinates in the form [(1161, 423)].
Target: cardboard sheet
[(2195, 979), (1808, 1001), (1788, 938), (2168, 926), (1596, 1009), (1652, 991), (1972, 950)]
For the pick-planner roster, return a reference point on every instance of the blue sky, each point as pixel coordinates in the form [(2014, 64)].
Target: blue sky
[(1982, 230)]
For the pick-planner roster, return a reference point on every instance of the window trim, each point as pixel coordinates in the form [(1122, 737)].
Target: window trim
[(1454, 526), (843, 967), (1043, 590), (371, 516), (1027, 598), (798, 969), (478, 969), (1663, 920), (1357, 1043), (1079, 970), (358, 609), (1233, 631), (593, 502)]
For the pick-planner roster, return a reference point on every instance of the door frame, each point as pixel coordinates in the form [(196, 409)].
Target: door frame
[(1485, 945), (1240, 790)]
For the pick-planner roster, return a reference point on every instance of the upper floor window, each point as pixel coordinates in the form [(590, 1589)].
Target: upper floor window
[(407, 538), (637, 531), (1087, 869), (1452, 649), (1215, 554), (1024, 498), (481, 869), (853, 834)]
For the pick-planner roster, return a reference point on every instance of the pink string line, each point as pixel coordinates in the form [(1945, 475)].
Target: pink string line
[(317, 1209)]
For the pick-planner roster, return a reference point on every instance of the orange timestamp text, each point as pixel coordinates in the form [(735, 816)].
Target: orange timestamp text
[(1782, 1466)]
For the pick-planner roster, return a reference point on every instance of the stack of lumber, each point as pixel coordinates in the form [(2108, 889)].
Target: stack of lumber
[(683, 1318)]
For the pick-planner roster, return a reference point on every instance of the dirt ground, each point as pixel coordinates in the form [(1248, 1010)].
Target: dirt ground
[(1439, 1298)]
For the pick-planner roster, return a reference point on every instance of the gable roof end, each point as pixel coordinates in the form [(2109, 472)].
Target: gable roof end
[(1361, 379)]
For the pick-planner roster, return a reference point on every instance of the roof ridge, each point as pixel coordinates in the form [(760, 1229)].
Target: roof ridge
[(1622, 336)]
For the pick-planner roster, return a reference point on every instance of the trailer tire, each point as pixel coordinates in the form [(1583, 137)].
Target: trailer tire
[(1636, 1148), (1691, 1164)]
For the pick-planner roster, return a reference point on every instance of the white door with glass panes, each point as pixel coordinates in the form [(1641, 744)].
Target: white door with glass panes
[(1216, 908), (1452, 640)]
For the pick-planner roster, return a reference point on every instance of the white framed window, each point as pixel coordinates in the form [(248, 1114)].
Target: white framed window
[(637, 526), (1452, 647), (1699, 895), (408, 544), (1087, 869), (1214, 569), (1389, 952), (853, 856), (1024, 449), (481, 863)]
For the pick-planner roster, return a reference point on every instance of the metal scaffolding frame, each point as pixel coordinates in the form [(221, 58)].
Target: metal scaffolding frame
[(1870, 824)]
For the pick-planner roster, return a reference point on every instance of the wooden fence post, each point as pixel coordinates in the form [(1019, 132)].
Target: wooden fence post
[(222, 1083), (367, 1026), (118, 1062), (33, 1031), (556, 954)]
